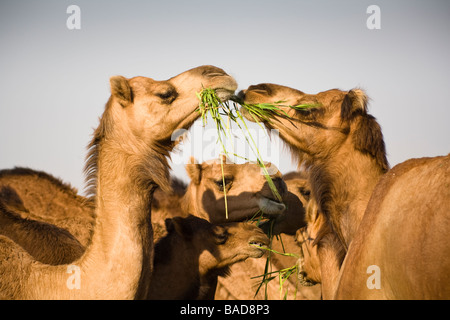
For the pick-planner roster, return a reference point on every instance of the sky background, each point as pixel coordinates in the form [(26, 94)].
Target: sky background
[(54, 82)]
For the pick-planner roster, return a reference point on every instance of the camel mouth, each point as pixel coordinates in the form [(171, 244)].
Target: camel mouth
[(302, 275), (257, 246), (224, 94), (304, 280), (271, 207)]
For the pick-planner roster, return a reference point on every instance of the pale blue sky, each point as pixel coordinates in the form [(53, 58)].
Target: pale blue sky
[(54, 82)]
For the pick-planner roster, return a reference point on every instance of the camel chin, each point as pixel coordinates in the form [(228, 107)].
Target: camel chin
[(224, 94), (270, 207)]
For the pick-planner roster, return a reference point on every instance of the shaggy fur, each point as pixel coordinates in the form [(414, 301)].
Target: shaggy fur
[(126, 162)]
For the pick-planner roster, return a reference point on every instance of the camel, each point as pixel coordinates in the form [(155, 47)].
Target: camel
[(37, 195), (45, 242), (337, 128), (342, 147), (295, 199), (246, 190), (165, 205), (240, 284), (188, 259), (401, 250), (200, 251), (321, 254), (127, 159)]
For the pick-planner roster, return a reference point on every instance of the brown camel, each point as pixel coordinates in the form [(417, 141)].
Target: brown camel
[(187, 260), (339, 143), (40, 196), (200, 251), (126, 161), (45, 242), (322, 252), (240, 284), (165, 205), (337, 128), (246, 190), (401, 250)]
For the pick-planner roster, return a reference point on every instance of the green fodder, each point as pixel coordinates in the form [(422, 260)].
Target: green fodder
[(211, 105)]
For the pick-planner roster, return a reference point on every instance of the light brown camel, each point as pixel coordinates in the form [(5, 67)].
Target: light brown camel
[(165, 205), (322, 253), (127, 160), (45, 242), (40, 196), (246, 190), (240, 284), (343, 149), (337, 141), (188, 259), (401, 250), (200, 252), (295, 199)]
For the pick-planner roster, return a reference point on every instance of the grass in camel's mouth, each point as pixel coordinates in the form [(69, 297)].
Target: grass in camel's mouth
[(257, 244), (211, 105)]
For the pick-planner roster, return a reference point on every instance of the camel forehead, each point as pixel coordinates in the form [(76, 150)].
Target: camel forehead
[(149, 86), (214, 170)]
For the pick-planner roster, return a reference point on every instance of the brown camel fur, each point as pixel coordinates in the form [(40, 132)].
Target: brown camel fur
[(322, 252), (187, 260), (240, 285), (246, 190), (404, 233), (127, 160), (339, 143), (200, 252), (297, 195), (164, 205), (40, 196), (45, 242)]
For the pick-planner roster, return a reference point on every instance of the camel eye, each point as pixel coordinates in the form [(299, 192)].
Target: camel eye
[(220, 234), (220, 185), (168, 96), (305, 192)]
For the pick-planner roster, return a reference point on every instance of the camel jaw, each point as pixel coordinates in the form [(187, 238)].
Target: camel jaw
[(258, 245), (224, 94), (270, 207)]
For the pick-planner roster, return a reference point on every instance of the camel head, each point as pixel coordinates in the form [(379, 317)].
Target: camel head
[(295, 198), (143, 116), (154, 109), (247, 190), (336, 118), (222, 245)]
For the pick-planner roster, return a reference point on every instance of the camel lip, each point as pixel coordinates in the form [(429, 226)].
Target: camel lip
[(304, 280), (224, 94), (271, 207)]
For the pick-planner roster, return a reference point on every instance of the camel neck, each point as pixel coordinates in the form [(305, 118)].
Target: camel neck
[(342, 185), (189, 202), (123, 235)]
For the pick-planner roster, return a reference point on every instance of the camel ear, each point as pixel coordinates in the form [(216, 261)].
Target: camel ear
[(194, 170), (120, 88), (220, 234), (180, 226), (355, 101)]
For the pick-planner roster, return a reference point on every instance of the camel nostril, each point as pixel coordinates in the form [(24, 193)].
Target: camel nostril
[(212, 72), (241, 95), (260, 88)]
